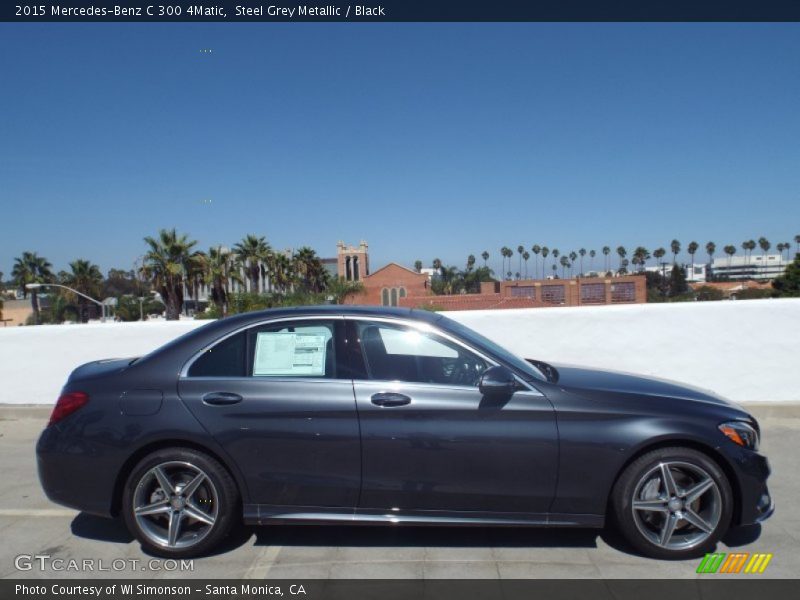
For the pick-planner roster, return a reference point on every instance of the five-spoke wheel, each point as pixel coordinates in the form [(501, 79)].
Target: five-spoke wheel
[(673, 503), (179, 501)]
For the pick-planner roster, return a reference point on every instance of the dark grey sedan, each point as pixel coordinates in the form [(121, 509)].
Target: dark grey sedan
[(386, 416)]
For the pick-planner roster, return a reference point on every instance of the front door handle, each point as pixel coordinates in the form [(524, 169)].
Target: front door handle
[(222, 398), (390, 399)]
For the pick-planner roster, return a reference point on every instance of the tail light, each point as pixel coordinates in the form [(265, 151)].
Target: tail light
[(66, 405)]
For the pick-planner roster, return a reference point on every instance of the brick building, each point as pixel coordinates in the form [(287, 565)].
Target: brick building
[(396, 285)]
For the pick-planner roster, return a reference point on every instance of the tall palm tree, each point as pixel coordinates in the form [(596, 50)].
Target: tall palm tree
[(607, 261), (437, 265), (31, 268), (573, 256), (711, 247), (310, 272), (252, 253), (470, 262), (283, 273), (418, 266), (622, 253), (746, 248), (592, 254), (503, 255), (797, 243), (219, 269), (564, 262), (691, 249), (779, 248), (485, 257), (526, 255), (582, 252), (658, 254), (165, 263), (520, 250), (730, 250), (787, 247), (642, 254), (545, 253), (86, 278), (675, 246), (764, 244), (536, 249)]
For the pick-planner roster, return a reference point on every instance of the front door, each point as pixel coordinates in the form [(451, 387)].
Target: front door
[(432, 442), (274, 396)]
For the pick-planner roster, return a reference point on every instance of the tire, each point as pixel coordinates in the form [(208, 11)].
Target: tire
[(180, 503), (686, 522)]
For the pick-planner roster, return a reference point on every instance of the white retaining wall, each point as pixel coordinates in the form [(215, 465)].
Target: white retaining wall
[(744, 350)]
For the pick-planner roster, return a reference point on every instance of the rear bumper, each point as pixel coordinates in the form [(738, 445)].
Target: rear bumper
[(75, 474)]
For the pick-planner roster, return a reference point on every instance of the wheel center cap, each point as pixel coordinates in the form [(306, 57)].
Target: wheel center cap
[(178, 503), (675, 504)]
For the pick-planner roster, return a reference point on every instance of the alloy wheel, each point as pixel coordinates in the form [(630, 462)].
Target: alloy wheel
[(175, 504), (676, 505)]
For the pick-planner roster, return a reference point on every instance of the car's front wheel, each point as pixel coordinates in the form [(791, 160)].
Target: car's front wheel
[(673, 503), (179, 502)]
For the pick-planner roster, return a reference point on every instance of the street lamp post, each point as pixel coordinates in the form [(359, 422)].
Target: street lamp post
[(36, 286)]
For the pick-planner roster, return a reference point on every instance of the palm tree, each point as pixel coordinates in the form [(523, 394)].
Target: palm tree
[(308, 268), (503, 255), (642, 254), (582, 252), (730, 250), (526, 255), (536, 249), (764, 244), (573, 256), (339, 289), (779, 248), (607, 260), (592, 254), (622, 253), (545, 253), (564, 262), (283, 273), (658, 254), (787, 246), (470, 262), (675, 246), (218, 270), (797, 243), (711, 247), (746, 248), (555, 253), (520, 250), (485, 257), (252, 253), (31, 268), (165, 264), (437, 265), (87, 279), (418, 266)]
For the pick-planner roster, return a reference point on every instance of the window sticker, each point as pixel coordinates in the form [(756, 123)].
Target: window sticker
[(289, 354)]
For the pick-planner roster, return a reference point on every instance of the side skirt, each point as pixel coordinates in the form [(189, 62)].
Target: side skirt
[(264, 514)]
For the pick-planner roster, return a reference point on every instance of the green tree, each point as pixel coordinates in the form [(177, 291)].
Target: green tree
[(592, 254), (675, 247), (219, 268), (470, 262), (254, 255), (797, 244), (536, 249), (86, 278), (677, 281), (607, 261), (545, 254), (692, 249), (418, 266), (711, 247), (165, 264), (520, 251), (310, 272), (31, 268), (622, 253), (339, 290), (788, 284), (485, 257), (730, 250), (526, 257)]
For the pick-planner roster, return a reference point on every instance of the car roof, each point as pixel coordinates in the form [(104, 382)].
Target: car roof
[(345, 310)]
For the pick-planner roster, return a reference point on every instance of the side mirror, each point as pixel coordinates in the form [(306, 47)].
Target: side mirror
[(497, 381)]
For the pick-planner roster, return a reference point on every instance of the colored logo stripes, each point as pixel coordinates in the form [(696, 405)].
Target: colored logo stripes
[(735, 562)]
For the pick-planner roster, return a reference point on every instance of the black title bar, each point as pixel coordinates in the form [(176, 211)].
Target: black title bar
[(403, 10)]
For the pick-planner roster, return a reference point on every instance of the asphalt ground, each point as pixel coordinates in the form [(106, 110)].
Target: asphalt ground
[(30, 525)]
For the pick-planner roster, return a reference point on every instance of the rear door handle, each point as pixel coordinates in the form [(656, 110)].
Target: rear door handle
[(222, 398), (390, 399)]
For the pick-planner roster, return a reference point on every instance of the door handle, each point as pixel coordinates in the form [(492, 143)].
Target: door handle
[(390, 399), (222, 398)]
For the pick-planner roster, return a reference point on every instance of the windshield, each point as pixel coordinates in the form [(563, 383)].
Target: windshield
[(524, 367)]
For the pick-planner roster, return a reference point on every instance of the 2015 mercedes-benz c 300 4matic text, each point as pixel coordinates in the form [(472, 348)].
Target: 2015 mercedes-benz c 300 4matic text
[(389, 416)]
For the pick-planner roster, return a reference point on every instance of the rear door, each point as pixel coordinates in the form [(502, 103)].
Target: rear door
[(278, 400), (432, 442)]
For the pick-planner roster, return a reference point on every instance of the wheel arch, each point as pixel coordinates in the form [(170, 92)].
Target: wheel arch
[(711, 452), (140, 453)]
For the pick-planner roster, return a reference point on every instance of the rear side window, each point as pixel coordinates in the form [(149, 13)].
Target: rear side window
[(294, 349), (225, 359)]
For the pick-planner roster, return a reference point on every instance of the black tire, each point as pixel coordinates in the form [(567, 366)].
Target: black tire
[(220, 500), (640, 527)]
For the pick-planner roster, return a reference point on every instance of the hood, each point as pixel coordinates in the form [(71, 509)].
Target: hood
[(575, 378), (99, 368)]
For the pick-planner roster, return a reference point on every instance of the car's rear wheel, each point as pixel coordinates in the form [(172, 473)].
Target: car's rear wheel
[(179, 502), (673, 503)]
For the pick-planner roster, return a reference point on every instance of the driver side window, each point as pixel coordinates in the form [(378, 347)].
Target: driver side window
[(397, 353)]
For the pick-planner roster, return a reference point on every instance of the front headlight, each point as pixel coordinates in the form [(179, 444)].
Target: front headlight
[(740, 433)]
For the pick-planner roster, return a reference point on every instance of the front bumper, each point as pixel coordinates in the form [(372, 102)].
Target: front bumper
[(752, 471)]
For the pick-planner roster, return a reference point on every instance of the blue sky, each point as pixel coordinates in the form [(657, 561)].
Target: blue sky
[(427, 140)]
